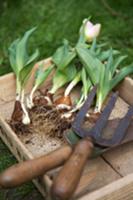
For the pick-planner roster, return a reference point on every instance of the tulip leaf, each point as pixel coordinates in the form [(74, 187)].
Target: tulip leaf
[(63, 77), (117, 63), (12, 56), (63, 56), (24, 74), (93, 66), (33, 57), (86, 82), (22, 56), (103, 56), (93, 46), (42, 74), (20, 60), (121, 75)]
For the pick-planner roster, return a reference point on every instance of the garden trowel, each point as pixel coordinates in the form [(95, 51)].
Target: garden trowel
[(28, 170)]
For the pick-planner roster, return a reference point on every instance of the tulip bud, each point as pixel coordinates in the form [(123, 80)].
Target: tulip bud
[(91, 31)]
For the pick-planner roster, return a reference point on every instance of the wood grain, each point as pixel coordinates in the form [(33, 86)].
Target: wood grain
[(119, 190), (121, 158), (126, 90)]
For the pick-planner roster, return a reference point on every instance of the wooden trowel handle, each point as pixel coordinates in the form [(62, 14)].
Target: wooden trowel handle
[(28, 170), (68, 178)]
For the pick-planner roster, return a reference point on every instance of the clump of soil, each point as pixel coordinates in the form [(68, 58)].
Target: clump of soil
[(45, 120)]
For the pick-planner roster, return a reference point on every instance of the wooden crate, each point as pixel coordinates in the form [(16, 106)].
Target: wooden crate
[(108, 177)]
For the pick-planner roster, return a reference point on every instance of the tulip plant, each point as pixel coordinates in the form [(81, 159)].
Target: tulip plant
[(21, 64), (87, 63), (98, 66), (40, 76)]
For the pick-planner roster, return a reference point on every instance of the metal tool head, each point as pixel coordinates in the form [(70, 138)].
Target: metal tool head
[(96, 132)]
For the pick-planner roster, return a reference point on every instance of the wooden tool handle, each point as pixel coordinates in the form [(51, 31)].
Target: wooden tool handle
[(28, 170), (68, 178)]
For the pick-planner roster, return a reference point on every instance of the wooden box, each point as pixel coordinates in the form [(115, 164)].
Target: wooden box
[(108, 177)]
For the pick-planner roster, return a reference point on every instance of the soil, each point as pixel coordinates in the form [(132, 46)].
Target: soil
[(45, 132), (45, 120)]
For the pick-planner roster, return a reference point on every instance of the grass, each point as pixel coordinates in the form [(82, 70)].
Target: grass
[(57, 20)]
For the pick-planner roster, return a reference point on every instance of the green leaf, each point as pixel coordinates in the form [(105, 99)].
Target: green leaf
[(70, 72), (63, 56), (93, 66), (121, 75), (12, 56), (108, 66), (58, 81), (33, 57), (102, 44), (42, 74), (93, 46), (86, 83), (98, 52), (25, 74), (63, 77), (117, 63), (110, 60), (103, 56), (20, 61), (110, 84), (21, 49)]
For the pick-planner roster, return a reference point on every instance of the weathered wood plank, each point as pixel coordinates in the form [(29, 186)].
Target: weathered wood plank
[(95, 176), (119, 190), (126, 90), (121, 158)]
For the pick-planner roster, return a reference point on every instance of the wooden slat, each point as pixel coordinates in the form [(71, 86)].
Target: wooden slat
[(126, 90), (121, 158), (118, 190), (94, 176), (19, 151)]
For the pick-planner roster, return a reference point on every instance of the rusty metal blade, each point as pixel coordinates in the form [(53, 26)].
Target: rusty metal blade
[(96, 131), (121, 129), (108, 132), (129, 134), (77, 123), (119, 132)]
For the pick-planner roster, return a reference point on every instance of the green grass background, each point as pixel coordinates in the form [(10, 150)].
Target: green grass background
[(58, 19)]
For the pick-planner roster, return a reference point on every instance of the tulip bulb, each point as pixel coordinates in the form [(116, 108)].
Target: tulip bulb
[(64, 100)]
